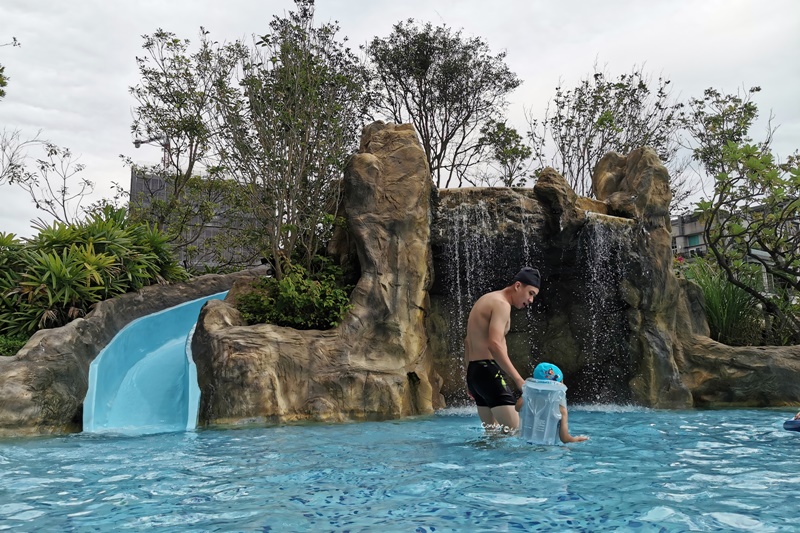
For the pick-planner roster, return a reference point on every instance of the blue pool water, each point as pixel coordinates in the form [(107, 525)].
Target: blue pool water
[(642, 470)]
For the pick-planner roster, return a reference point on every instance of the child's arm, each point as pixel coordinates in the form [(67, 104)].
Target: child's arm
[(564, 429)]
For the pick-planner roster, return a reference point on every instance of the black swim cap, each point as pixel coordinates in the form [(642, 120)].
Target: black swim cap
[(528, 276)]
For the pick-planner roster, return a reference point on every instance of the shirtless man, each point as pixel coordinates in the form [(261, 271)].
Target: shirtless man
[(486, 354)]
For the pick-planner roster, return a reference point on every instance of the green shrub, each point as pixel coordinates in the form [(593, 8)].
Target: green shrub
[(732, 314), (59, 274), (299, 300), (776, 331), (10, 345)]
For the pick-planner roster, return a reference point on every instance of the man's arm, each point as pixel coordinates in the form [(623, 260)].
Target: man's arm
[(501, 315)]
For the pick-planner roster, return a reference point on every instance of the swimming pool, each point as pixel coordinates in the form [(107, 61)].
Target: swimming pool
[(642, 470)]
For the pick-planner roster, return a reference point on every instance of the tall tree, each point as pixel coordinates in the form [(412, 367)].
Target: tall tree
[(287, 129), (719, 118), (752, 219), (174, 108), (449, 86), (604, 114), (509, 156)]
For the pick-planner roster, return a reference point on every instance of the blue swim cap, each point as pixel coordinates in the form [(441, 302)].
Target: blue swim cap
[(548, 372)]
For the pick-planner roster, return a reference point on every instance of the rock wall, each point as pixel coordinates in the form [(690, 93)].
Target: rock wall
[(740, 376), (611, 313), (43, 386), (376, 364)]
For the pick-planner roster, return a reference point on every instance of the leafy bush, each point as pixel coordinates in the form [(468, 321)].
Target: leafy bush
[(299, 300), (779, 332), (732, 314), (10, 345), (60, 273)]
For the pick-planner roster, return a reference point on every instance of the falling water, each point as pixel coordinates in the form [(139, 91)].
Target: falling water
[(602, 244), (579, 319), (477, 256), (532, 256), (470, 249), (529, 249)]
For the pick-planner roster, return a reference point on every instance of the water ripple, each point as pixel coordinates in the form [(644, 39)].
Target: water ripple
[(642, 470)]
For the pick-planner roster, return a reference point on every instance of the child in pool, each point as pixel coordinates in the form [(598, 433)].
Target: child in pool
[(553, 373)]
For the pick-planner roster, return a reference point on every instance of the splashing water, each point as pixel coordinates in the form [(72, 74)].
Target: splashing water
[(602, 246), (480, 254), (468, 249)]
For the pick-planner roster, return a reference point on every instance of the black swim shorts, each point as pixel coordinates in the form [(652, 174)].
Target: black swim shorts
[(487, 384)]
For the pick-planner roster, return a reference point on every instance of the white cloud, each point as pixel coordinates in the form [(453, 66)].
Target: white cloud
[(71, 75)]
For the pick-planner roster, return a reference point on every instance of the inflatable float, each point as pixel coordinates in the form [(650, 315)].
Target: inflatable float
[(792, 425)]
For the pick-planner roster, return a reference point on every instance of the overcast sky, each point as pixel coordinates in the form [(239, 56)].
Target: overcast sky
[(70, 77)]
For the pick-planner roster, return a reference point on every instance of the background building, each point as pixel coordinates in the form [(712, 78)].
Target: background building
[(687, 236), (204, 244)]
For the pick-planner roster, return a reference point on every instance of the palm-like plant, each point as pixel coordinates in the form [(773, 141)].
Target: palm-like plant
[(64, 270), (732, 315)]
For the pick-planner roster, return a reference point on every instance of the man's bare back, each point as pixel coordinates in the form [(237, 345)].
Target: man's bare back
[(485, 349), (490, 306)]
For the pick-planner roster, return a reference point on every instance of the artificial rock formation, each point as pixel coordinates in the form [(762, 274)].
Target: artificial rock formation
[(606, 312), (611, 313), (376, 364), (740, 376), (43, 386)]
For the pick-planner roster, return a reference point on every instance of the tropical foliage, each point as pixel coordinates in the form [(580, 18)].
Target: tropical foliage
[(11, 344), (60, 273), (753, 214), (732, 315)]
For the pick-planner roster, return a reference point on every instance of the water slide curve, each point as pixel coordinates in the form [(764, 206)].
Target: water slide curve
[(145, 381)]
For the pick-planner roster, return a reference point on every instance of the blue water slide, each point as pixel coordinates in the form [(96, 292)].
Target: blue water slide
[(145, 381)]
